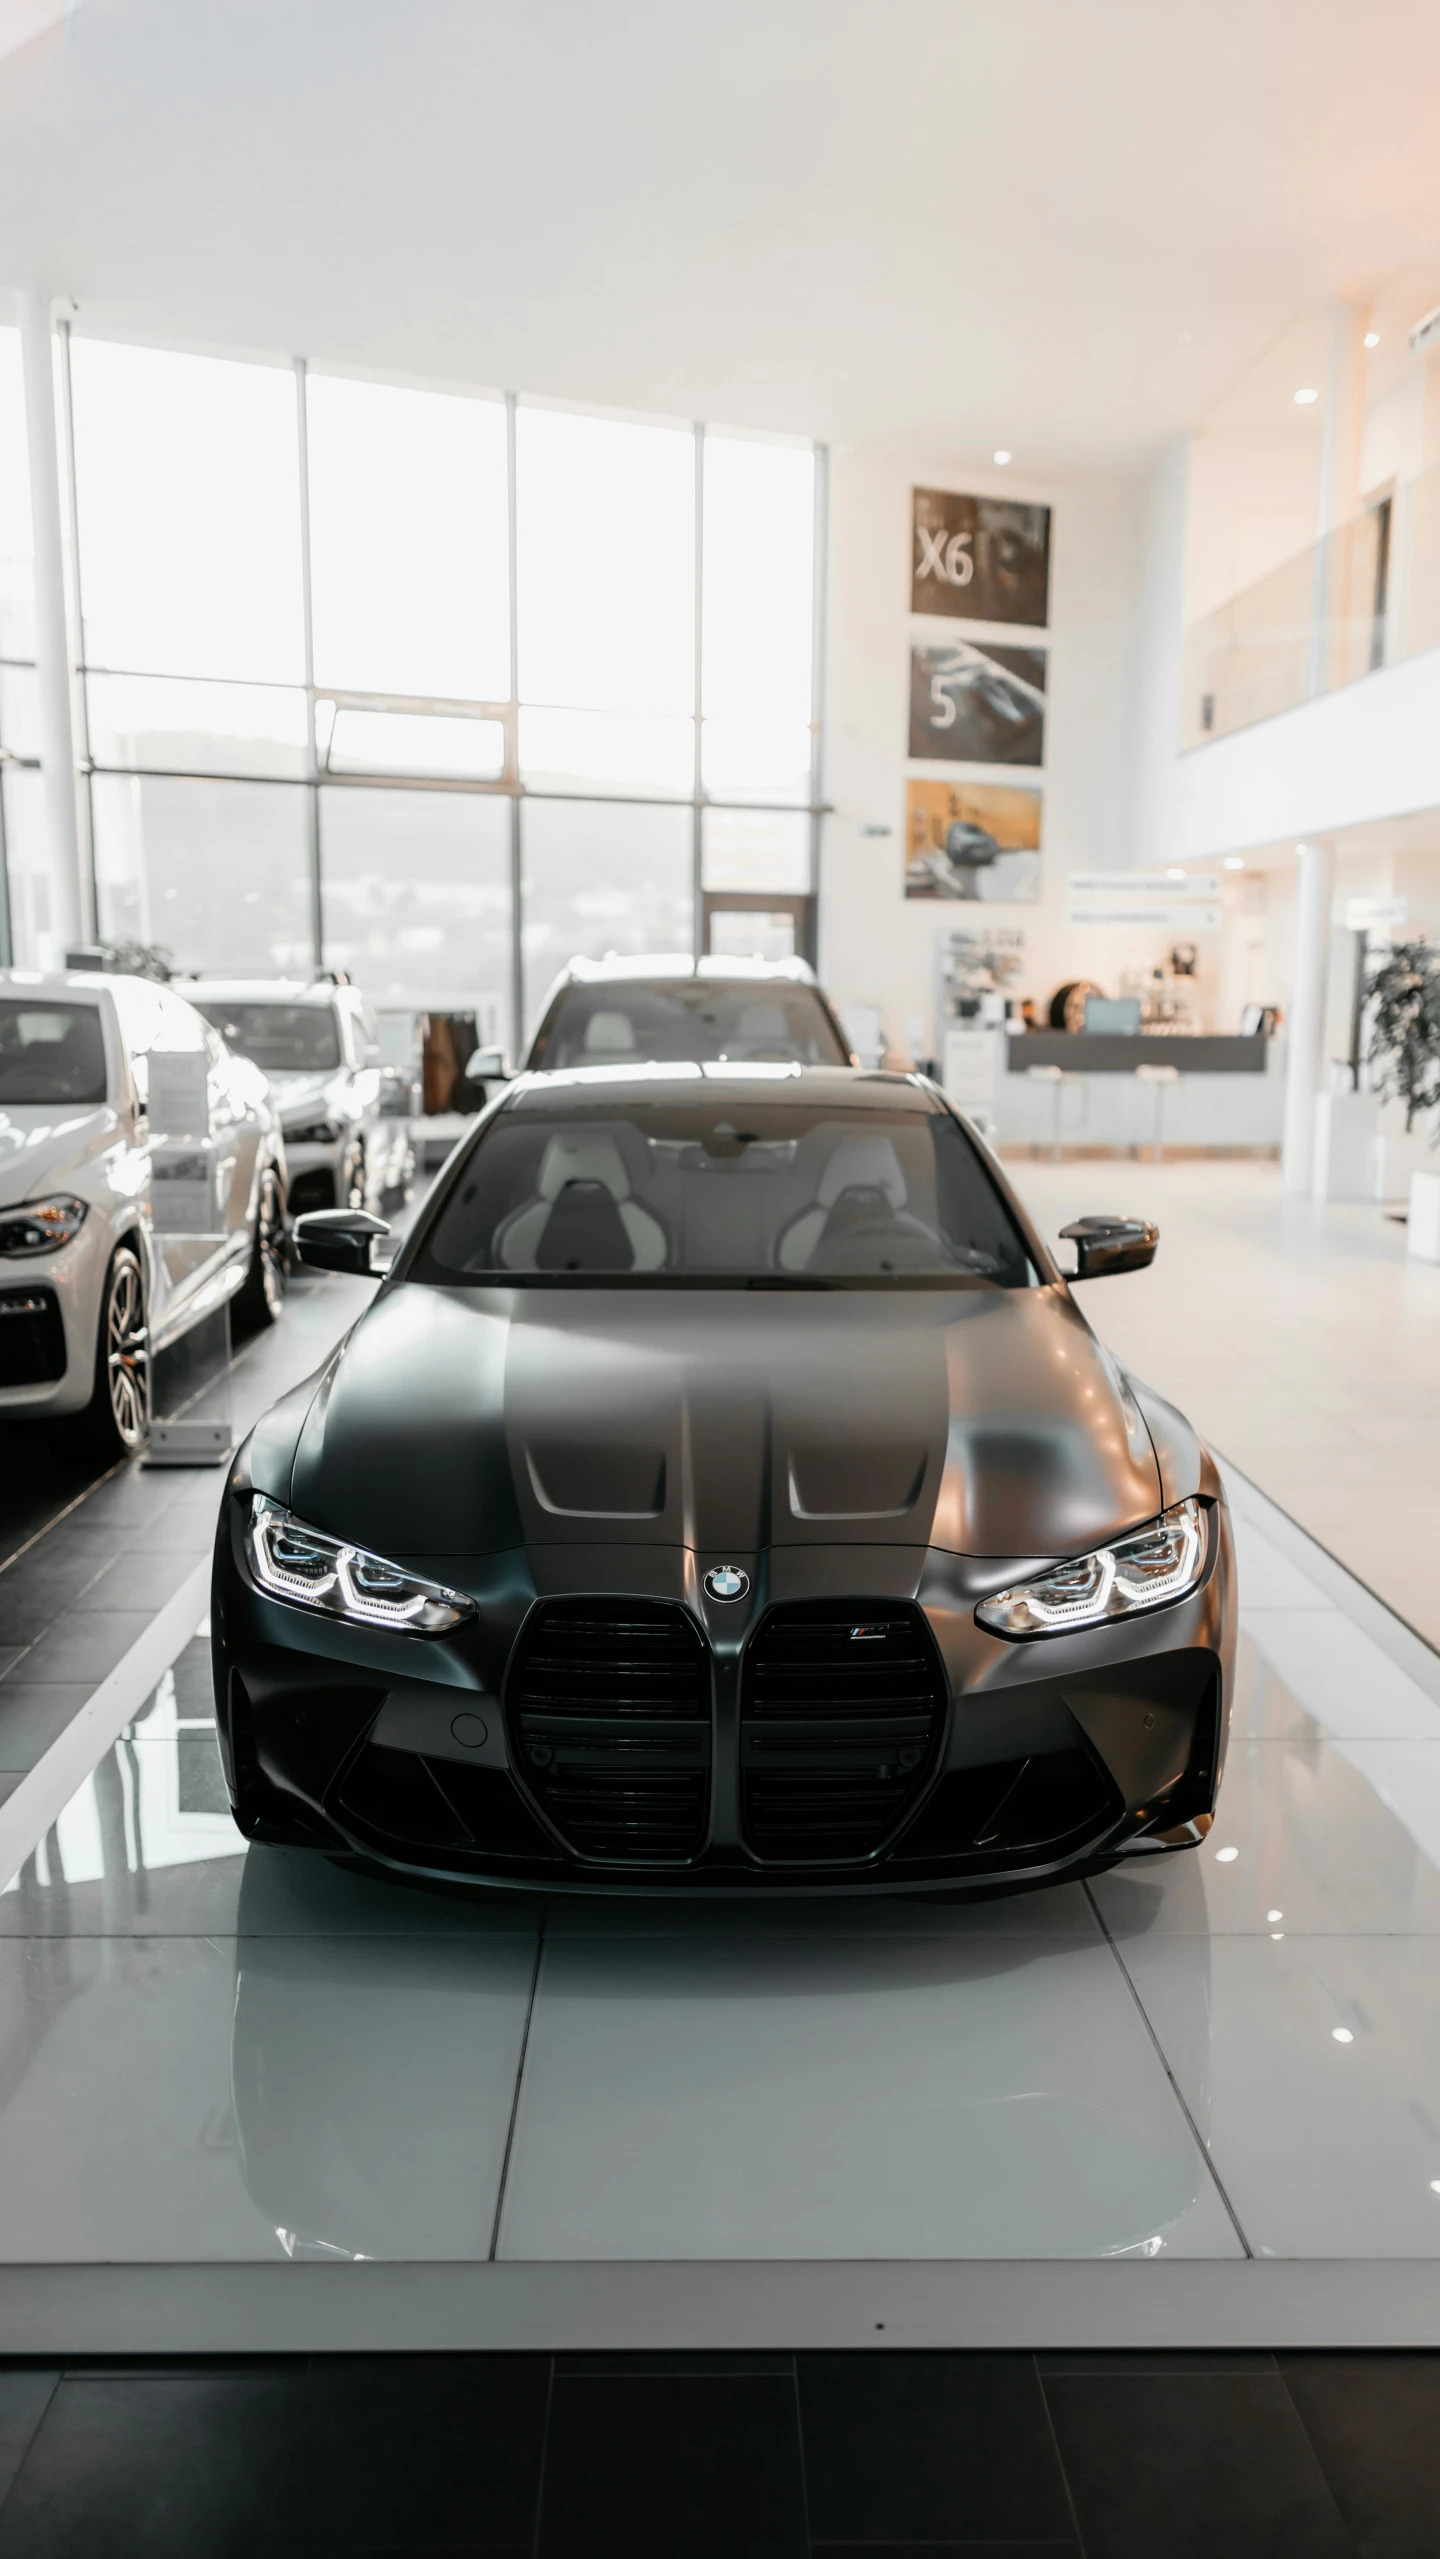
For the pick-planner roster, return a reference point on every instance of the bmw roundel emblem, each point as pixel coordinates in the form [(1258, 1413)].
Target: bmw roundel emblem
[(726, 1581)]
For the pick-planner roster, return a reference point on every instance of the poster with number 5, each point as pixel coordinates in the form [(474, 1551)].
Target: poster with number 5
[(977, 705), (980, 559)]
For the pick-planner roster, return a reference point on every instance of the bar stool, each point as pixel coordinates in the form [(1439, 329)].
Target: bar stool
[(1159, 1078), (1056, 1078)]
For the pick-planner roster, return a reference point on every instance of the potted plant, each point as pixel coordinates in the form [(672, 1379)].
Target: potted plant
[(1403, 996)]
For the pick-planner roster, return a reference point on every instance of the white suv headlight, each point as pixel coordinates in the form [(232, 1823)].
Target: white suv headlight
[(302, 1565), (42, 1226), (1151, 1566)]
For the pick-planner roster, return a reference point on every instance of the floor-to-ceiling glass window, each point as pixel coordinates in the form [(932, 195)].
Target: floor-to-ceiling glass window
[(417, 898), (216, 873), (605, 525), (19, 709), (193, 643), (436, 687)]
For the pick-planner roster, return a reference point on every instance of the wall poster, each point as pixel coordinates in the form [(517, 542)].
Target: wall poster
[(980, 559), (977, 703), (973, 840)]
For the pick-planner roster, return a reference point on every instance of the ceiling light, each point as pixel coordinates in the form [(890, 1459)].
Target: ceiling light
[(1226, 1856), (1342, 2035), (1273, 1915), (1174, 872), (1372, 337), (1003, 455), (1233, 862), (1435, 2185), (1306, 399)]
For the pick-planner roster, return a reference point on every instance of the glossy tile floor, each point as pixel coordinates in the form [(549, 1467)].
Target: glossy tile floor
[(1298, 1337), (210, 2056)]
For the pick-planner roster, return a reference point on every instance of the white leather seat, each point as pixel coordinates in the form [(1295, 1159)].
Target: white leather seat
[(857, 1163), (610, 1035), (579, 1159)]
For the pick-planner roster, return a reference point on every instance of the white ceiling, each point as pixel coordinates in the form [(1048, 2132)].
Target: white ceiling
[(1064, 228)]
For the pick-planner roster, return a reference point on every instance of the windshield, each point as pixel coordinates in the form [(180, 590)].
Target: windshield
[(283, 1039), (621, 1024), (740, 1192), (50, 1052)]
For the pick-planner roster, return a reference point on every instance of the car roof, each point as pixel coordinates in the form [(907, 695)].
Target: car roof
[(680, 967), (844, 1088), (262, 990), (90, 985)]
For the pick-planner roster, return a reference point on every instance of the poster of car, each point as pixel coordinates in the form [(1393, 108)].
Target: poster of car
[(974, 704), (974, 840), (980, 559)]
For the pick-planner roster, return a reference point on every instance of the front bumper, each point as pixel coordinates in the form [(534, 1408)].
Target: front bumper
[(49, 1313), (495, 1755)]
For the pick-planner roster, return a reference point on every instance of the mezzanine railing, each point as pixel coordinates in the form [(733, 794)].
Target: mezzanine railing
[(1365, 597)]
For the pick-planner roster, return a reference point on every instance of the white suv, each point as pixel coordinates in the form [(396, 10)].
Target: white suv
[(669, 1007), (142, 1183), (345, 1116)]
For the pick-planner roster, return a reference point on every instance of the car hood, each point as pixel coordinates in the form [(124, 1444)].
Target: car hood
[(466, 1421), (300, 1096), (43, 1143)]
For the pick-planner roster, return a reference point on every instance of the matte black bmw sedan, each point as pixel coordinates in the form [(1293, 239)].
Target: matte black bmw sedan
[(724, 1493)]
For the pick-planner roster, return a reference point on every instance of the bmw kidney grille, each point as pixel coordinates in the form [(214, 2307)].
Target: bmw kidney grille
[(609, 1704), (841, 1714)]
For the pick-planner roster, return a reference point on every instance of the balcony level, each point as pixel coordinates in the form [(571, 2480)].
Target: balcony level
[(1311, 701)]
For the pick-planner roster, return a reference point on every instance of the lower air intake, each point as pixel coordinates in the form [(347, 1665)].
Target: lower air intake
[(1056, 1802), (842, 1710), (609, 1712), (32, 1337)]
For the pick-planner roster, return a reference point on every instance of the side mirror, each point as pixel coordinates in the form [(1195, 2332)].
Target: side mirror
[(339, 1239), (487, 1066), (1104, 1245)]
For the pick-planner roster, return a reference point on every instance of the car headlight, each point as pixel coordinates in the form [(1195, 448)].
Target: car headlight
[(42, 1227), (315, 1133), (298, 1563), (1147, 1569)]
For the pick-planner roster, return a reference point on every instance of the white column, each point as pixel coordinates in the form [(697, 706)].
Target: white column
[(69, 918), (1305, 1016)]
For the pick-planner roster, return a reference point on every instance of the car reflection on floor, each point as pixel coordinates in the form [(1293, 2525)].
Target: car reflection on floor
[(838, 2079)]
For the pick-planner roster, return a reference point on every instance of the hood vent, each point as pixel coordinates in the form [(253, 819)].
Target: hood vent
[(842, 1711), (609, 1713)]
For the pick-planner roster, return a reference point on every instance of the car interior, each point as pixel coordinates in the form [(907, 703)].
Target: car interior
[(51, 1053), (787, 1193), (619, 1024)]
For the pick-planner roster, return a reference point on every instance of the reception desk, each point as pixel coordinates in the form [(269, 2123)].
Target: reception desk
[(1097, 1089)]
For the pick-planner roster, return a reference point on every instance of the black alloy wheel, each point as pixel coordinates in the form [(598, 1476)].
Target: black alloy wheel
[(119, 1411), (262, 1299)]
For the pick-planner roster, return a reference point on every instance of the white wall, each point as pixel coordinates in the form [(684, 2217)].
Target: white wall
[(878, 948), (1253, 500), (1371, 750)]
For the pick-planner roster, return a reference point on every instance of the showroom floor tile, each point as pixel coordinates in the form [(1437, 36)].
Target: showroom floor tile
[(886, 2097), (171, 2099), (1301, 1840), (1298, 1337), (1312, 2064)]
